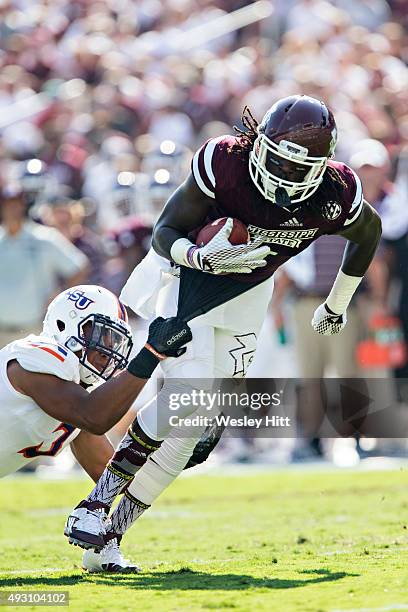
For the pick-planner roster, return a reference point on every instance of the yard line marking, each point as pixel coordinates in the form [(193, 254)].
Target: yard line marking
[(175, 513), (45, 538), (390, 608), (49, 511), (45, 570), (155, 564)]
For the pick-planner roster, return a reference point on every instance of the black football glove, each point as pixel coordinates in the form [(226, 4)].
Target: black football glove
[(166, 339), (168, 336)]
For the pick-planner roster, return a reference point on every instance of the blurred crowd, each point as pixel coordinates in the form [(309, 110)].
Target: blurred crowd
[(103, 103)]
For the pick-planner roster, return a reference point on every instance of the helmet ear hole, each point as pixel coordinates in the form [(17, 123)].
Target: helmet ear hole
[(60, 325)]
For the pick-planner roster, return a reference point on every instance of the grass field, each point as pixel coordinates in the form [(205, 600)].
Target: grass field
[(304, 541)]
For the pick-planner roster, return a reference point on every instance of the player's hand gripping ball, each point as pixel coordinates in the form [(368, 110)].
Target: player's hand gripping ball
[(224, 247)]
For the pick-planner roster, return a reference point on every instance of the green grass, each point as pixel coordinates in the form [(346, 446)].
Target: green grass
[(283, 541)]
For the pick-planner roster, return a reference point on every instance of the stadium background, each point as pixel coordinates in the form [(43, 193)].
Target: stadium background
[(103, 103)]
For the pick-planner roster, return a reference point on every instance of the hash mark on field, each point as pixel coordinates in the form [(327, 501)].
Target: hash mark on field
[(390, 608)]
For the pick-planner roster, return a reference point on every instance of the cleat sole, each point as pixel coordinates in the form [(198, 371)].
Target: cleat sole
[(83, 543)]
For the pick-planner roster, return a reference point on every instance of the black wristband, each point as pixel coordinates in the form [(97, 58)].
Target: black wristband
[(144, 364)]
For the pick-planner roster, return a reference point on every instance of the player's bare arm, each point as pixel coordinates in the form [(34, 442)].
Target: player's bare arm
[(363, 237), (100, 410), (65, 401), (92, 453), (187, 210)]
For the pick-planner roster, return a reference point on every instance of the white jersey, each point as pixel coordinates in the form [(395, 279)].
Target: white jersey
[(26, 431)]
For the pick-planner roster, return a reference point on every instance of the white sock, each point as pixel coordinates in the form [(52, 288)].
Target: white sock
[(162, 467)]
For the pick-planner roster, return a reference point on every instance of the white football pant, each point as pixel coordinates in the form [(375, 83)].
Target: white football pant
[(223, 346)]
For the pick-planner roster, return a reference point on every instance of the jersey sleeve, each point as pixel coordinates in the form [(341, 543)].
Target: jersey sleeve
[(45, 356), (353, 198), (207, 166)]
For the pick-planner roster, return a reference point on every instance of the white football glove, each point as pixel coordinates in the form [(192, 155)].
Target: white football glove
[(326, 322), (219, 256)]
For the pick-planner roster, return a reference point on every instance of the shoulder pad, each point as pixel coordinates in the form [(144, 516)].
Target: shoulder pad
[(45, 356), (353, 198), (208, 164)]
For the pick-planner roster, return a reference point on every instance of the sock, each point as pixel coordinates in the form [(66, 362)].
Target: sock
[(127, 460), (127, 511), (109, 485), (160, 469), (154, 480)]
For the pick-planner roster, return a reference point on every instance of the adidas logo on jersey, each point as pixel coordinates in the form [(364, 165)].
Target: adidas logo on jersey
[(291, 223)]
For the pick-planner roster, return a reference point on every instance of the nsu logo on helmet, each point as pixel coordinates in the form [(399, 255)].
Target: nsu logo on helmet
[(80, 300)]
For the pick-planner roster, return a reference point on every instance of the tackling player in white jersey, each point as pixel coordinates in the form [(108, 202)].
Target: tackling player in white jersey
[(45, 403)]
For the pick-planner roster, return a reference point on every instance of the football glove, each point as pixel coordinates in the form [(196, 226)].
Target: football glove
[(166, 339), (167, 336), (219, 256), (326, 322)]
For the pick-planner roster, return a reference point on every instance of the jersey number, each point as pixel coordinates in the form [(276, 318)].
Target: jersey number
[(34, 451)]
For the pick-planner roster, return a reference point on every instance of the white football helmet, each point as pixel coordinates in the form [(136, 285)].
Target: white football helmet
[(89, 317)]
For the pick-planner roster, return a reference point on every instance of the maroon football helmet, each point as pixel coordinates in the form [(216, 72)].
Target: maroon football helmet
[(296, 138)]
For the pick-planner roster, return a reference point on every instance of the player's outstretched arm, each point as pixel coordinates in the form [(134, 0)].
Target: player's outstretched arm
[(98, 411), (363, 237)]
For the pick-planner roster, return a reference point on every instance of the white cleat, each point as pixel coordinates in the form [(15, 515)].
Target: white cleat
[(86, 528), (108, 559)]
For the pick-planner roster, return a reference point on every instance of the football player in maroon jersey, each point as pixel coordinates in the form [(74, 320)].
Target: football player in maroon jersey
[(280, 180)]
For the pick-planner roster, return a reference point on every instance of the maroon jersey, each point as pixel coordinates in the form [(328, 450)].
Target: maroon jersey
[(220, 169)]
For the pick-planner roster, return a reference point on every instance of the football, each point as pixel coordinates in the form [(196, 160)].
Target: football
[(239, 234)]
